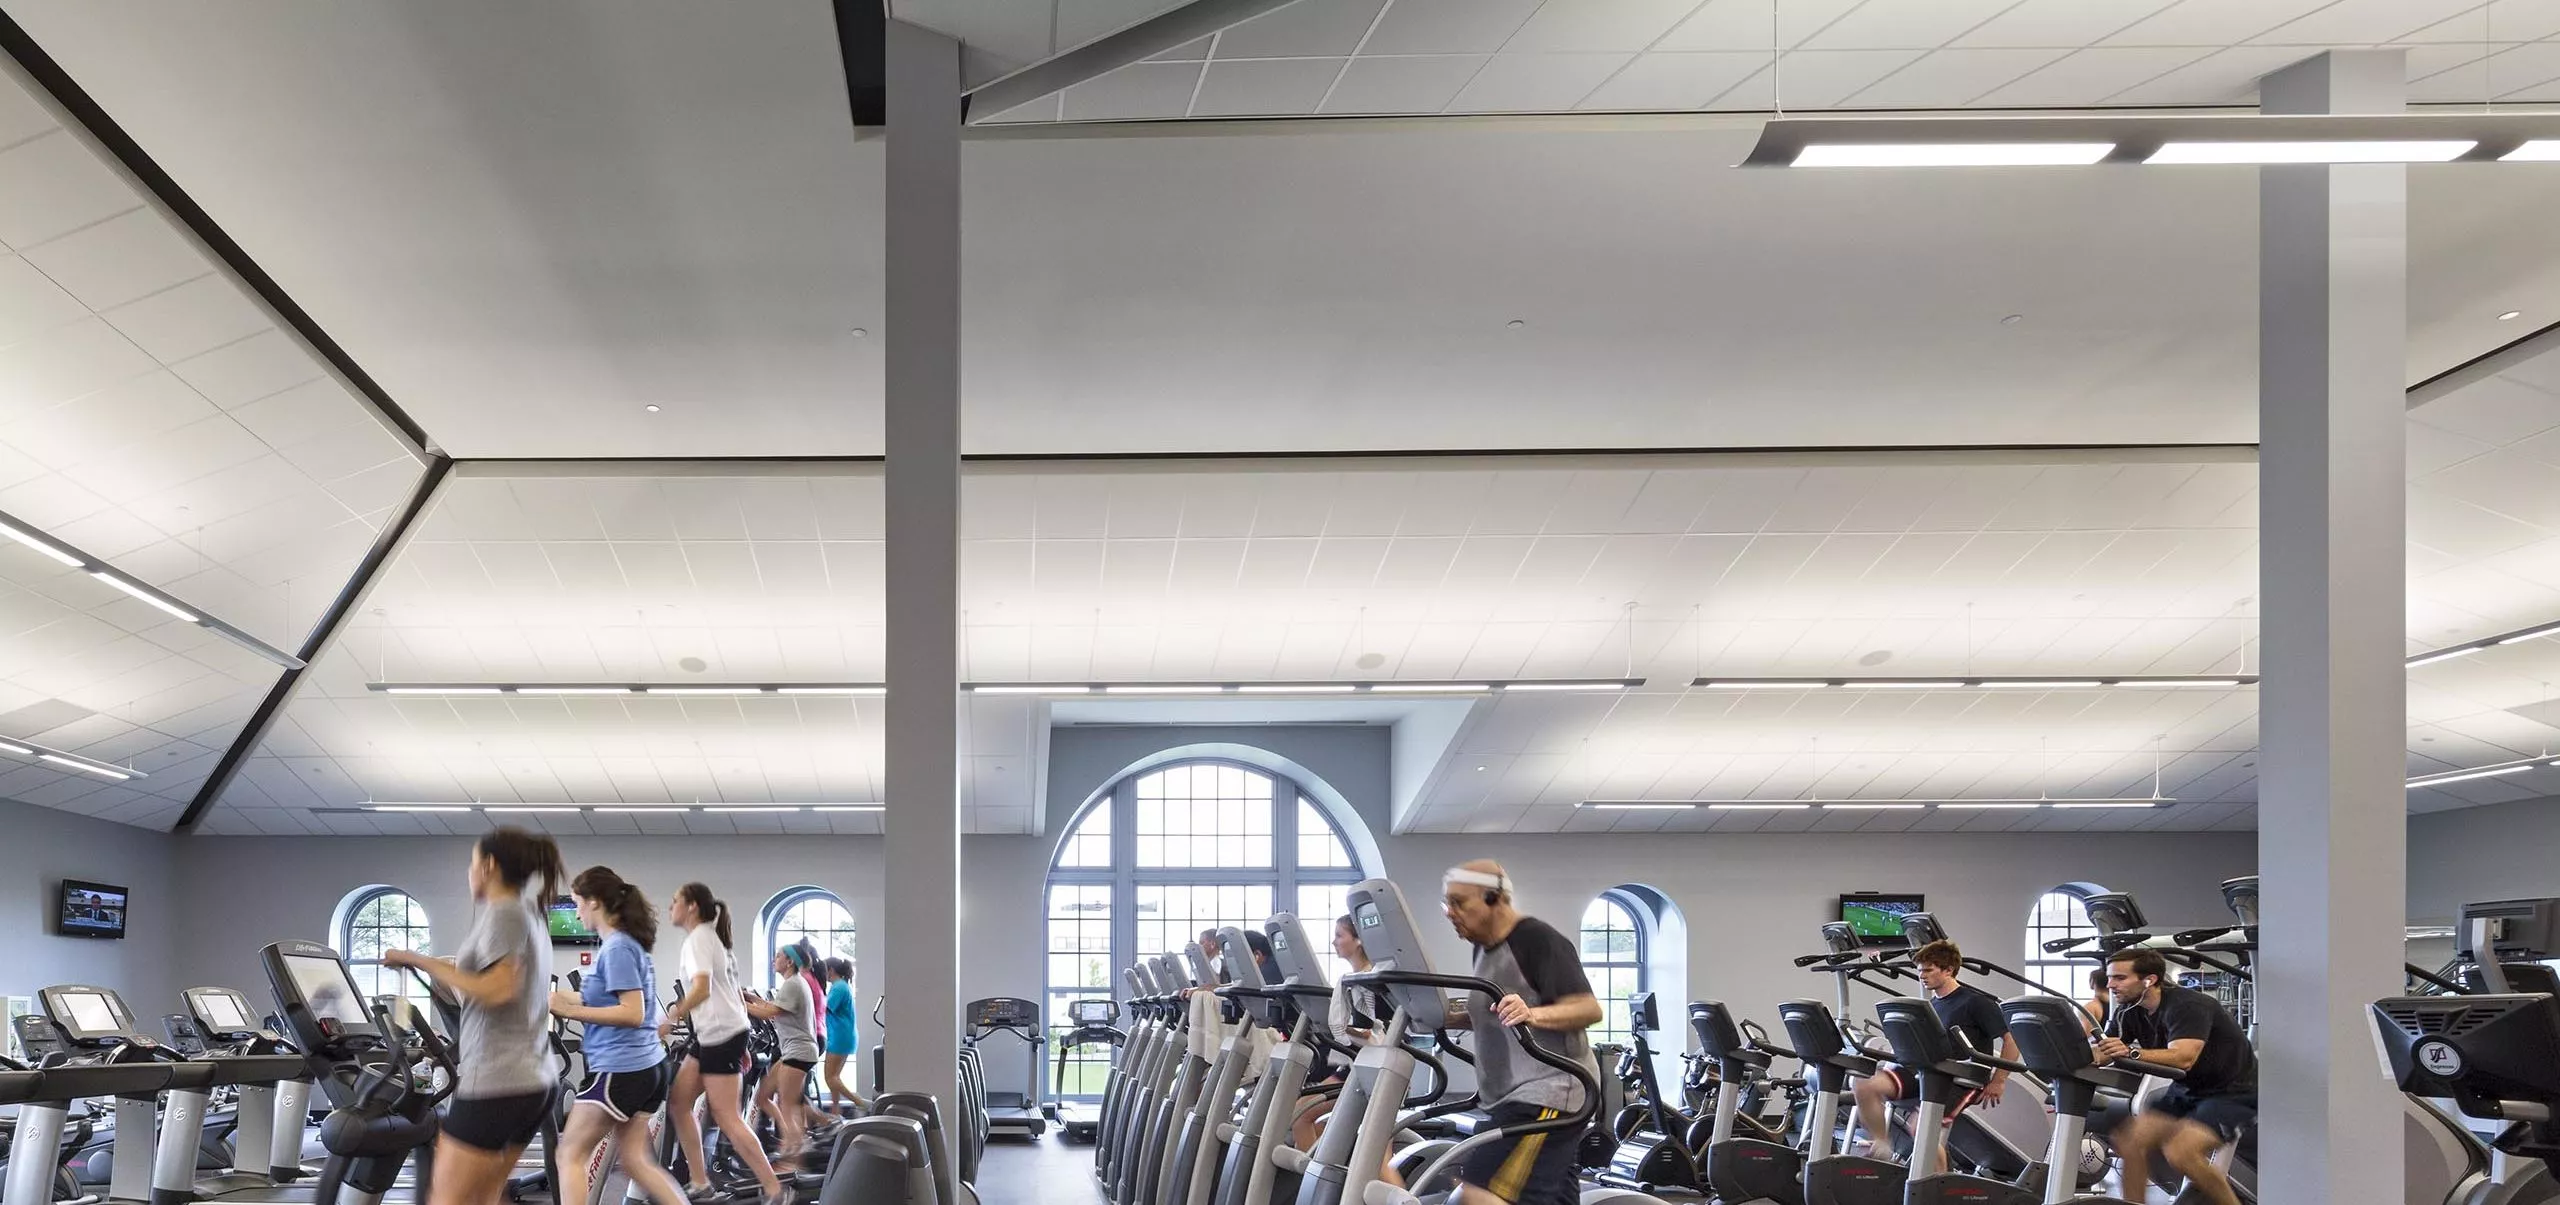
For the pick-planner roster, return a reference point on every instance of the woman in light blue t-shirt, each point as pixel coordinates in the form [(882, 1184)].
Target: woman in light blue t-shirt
[(626, 1064)]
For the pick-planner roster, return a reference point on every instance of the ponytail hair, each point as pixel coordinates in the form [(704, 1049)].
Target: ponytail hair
[(522, 857), (630, 909), (710, 908)]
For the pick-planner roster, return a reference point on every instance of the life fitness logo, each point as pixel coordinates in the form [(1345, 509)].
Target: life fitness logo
[(2439, 1057)]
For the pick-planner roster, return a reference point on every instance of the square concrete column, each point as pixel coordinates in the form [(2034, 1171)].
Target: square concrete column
[(920, 879), (2332, 714)]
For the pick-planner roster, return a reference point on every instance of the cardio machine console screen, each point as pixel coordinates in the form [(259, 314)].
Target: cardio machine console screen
[(223, 1009), (325, 987), (88, 1013)]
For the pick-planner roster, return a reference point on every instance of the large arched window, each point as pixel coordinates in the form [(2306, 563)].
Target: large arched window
[(813, 914), (2060, 913), (373, 920), (1613, 958), (1168, 852)]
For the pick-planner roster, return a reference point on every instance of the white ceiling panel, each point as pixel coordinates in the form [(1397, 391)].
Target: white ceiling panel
[(1526, 83), (1401, 83), (1301, 29), (1449, 26)]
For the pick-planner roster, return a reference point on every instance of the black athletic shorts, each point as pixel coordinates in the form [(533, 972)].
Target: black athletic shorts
[(2228, 1116), (801, 1065), (723, 1058), (496, 1123), (626, 1094), (1906, 1086), (1527, 1169)]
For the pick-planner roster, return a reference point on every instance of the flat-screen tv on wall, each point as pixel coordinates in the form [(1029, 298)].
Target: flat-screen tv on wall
[(566, 928), (1876, 916), (90, 910)]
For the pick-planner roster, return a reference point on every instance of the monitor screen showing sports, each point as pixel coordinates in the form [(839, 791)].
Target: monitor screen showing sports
[(566, 928), (325, 987), (89, 1012), (223, 1010), (1876, 916), (91, 910)]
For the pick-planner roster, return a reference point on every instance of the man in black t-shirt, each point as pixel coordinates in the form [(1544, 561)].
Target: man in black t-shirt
[(2159, 1022), (1540, 973), (1961, 1007)]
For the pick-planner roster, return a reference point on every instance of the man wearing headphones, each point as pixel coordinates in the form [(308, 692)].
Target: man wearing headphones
[(1540, 973)]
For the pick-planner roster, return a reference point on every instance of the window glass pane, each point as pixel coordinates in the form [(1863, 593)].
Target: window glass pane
[(1089, 845), (1318, 845), (387, 920), (1204, 815), (1613, 959), (821, 919), (2057, 915)]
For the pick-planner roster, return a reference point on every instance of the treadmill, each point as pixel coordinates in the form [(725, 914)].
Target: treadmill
[(100, 1055), (274, 1087), (1019, 1018), (1097, 1023)]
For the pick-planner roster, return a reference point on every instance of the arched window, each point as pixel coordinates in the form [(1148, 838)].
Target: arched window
[(2060, 913), (1168, 852), (373, 920), (813, 914), (1613, 958)]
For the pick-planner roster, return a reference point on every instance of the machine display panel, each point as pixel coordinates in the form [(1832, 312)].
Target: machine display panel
[(325, 987)]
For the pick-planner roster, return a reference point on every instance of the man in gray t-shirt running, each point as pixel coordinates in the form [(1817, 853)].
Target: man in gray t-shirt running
[(1540, 974)]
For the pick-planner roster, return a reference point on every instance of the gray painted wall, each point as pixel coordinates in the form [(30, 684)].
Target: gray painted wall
[(44, 847), (2500, 852)]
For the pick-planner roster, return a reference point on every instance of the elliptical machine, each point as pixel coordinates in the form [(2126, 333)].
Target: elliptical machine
[(1655, 1155)]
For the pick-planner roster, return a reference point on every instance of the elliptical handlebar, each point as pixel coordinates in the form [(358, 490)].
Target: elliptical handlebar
[(1473, 986)]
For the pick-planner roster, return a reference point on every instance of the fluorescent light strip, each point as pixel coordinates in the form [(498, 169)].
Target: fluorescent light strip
[(2377, 151), (1608, 684), (1430, 688), (138, 592), (1030, 690), (853, 807), (1875, 807), (415, 807), (2437, 780), (1705, 685), (2446, 655), (1955, 154), (660, 810), (443, 690), (835, 690), (1876, 685), (2539, 150), (534, 810), (1633, 805), (706, 690), (1326, 688), (2034, 684), (740, 811), (573, 690), (2078, 804), (2175, 682), (39, 543), (20, 750), (85, 767), (1958, 805), (1164, 690), (1758, 807), (2530, 634)]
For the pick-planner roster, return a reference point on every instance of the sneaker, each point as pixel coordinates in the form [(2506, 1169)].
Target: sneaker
[(705, 1194), (784, 1197)]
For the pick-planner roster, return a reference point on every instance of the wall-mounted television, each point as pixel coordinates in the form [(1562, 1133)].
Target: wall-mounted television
[(566, 928), (90, 910), (1876, 916)]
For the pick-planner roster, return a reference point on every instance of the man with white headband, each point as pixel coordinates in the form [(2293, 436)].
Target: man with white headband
[(1540, 973)]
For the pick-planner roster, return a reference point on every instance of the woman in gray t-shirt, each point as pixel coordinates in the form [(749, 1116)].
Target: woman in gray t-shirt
[(503, 1091), (794, 1014)]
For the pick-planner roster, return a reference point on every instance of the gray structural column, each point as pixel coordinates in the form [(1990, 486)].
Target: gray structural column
[(920, 885), (2332, 718)]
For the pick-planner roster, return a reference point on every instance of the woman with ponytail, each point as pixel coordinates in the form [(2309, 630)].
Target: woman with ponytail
[(843, 1039), (503, 1089), (718, 1011), (626, 1071), (794, 1013)]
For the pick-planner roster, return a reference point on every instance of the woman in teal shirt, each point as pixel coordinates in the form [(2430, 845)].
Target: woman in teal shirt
[(842, 1038)]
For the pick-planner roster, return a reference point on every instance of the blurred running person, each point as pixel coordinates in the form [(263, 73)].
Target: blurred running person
[(1540, 973), (718, 1011), (503, 1089), (2190, 1121), (627, 1070), (844, 1035), (794, 1014)]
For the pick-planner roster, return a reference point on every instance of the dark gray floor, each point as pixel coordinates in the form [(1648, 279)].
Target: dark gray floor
[(1045, 1171)]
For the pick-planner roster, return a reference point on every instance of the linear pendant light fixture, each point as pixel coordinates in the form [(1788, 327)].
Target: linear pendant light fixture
[(2467, 648), (2159, 139), (2145, 681), (625, 809), (21, 532), (32, 751), (2494, 770), (1062, 689), (1868, 805)]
